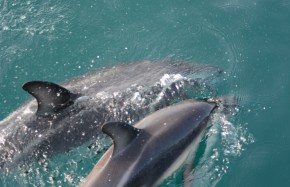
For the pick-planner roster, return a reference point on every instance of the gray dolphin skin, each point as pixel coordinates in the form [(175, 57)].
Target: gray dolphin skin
[(145, 154), (67, 115)]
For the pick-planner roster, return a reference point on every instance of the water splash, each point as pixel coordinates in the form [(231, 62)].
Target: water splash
[(225, 141)]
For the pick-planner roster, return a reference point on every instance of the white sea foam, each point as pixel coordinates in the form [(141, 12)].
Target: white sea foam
[(168, 79)]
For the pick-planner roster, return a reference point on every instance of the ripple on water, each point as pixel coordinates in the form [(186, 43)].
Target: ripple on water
[(285, 3), (230, 44), (234, 4), (24, 23), (33, 17)]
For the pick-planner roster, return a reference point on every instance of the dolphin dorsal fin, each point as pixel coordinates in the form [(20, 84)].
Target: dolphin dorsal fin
[(121, 133), (51, 98)]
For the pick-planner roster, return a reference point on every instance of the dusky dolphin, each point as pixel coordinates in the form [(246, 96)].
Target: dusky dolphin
[(70, 114), (145, 154)]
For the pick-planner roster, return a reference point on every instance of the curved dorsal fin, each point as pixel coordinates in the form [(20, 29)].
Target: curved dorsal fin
[(121, 133), (51, 98)]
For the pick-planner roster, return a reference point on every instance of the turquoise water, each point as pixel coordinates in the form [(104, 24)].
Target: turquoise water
[(250, 40)]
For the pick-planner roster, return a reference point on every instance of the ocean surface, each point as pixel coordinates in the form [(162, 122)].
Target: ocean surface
[(249, 40)]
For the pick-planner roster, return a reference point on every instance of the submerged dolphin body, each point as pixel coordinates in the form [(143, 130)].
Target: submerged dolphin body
[(145, 154), (69, 115)]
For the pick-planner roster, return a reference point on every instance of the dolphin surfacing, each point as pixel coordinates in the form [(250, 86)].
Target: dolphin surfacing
[(145, 154), (67, 115)]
